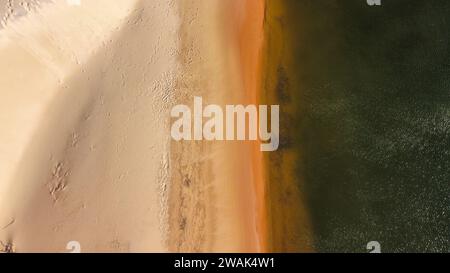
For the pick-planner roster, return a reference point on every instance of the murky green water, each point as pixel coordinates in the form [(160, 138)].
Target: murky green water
[(367, 93)]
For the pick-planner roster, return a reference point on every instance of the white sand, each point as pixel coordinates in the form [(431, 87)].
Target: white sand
[(83, 138)]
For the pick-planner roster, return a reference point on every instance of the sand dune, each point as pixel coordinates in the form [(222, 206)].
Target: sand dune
[(84, 152)]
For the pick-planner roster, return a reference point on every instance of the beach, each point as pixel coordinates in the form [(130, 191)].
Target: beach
[(86, 153), (91, 91), (219, 179)]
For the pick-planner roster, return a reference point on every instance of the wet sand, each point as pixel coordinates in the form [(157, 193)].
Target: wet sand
[(214, 200)]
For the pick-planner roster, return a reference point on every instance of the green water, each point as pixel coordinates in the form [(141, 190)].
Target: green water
[(371, 89)]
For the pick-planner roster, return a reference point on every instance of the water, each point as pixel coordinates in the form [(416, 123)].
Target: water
[(366, 98)]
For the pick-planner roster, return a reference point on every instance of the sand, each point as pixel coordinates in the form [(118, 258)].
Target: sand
[(85, 149), (218, 179), (83, 143)]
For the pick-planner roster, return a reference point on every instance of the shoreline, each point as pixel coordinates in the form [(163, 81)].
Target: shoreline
[(290, 227), (220, 209)]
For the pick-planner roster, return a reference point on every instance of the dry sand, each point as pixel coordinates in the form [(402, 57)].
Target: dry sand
[(83, 143), (85, 150)]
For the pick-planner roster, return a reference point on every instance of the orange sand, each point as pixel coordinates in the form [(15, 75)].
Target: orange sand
[(217, 196), (251, 37), (248, 31), (248, 17)]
